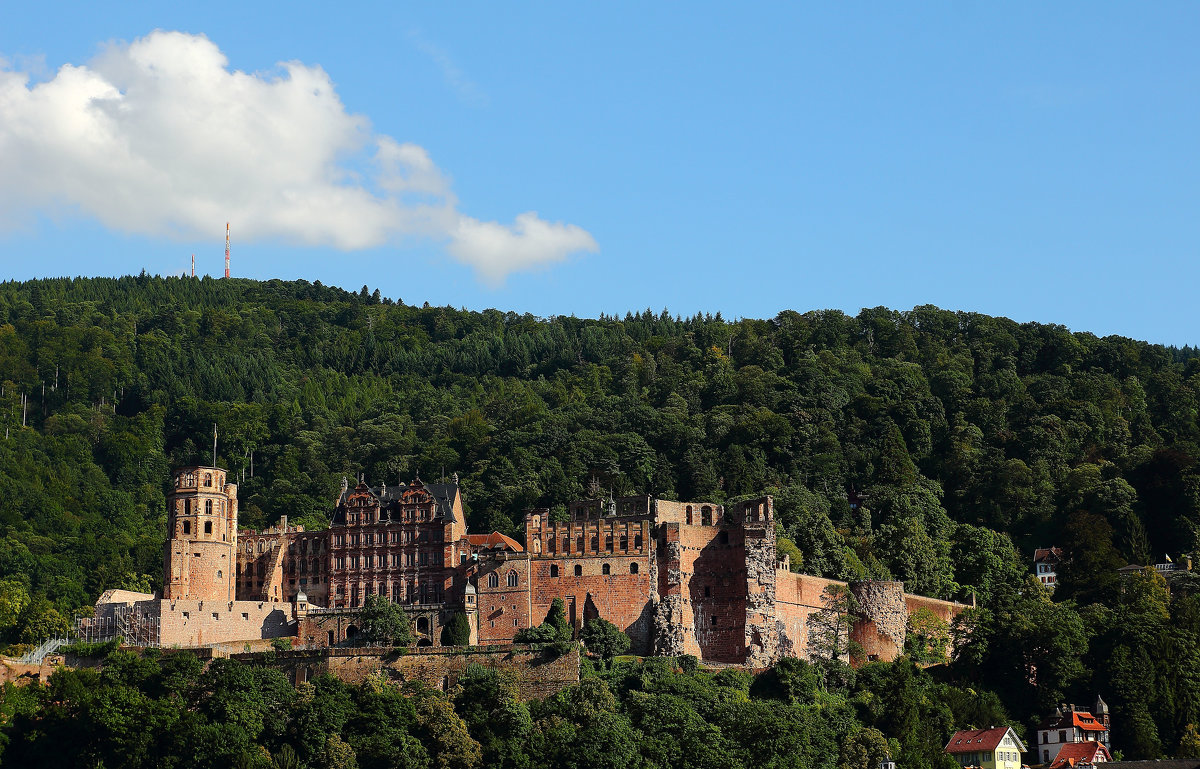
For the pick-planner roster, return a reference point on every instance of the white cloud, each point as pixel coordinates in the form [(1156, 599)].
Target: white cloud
[(160, 137)]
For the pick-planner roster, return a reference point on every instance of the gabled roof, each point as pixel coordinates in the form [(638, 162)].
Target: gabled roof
[(1073, 718), (1047, 555), (389, 497), (1075, 753), (973, 740), (495, 541), (1087, 722)]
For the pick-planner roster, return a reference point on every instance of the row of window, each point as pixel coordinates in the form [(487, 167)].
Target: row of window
[(514, 580), (401, 592), (377, 516), (189, 480), (392, 560), (393, 537), (209, 508), (608, 543)]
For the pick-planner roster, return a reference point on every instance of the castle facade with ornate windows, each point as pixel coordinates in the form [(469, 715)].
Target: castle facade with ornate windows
[(678, 577)]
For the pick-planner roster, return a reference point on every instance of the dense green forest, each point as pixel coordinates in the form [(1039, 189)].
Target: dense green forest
[(973, 440)]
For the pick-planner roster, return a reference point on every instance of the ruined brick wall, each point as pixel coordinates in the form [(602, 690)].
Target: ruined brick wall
[(197, 623), (536, 674), (797, 597), (711, 593), (598, 564), (765, 640), (504, 608), (281, 561)]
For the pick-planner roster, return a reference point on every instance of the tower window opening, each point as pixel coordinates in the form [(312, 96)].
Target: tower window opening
[(606, 569), (578, 570), (208, 527), (208, 507), (187, 527)]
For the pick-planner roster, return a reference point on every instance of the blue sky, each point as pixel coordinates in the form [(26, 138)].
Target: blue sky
[(1028, 160)]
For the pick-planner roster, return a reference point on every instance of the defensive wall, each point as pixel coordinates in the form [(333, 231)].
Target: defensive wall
[(536, 674)]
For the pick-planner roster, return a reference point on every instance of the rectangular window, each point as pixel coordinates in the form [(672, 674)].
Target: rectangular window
[(340, 562), (368, 561), (424, 559), (408, 559), (393, 537), (395, 560)]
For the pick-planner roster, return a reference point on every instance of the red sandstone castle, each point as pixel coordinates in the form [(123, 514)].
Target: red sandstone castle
[(678, 577)]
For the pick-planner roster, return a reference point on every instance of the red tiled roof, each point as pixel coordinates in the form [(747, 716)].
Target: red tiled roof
[(1087, 722), (973, 740), (1075, 753), (495, 540), (1047, 554)]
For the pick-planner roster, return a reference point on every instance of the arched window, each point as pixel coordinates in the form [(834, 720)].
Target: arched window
[(608, 542), (706, 516), (187, 527), (208, 507), (208, 527), (689, 514), (578, 570), (220, 574), (208, 479), (493, 580), (606, 569), (553, 570), (633, 568), (512, 579), (579, 543), (595, 542)]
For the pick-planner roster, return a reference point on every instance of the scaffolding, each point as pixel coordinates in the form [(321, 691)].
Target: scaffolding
[(133, 625)]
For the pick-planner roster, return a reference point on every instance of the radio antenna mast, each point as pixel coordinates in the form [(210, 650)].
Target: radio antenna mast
[(227, 249)]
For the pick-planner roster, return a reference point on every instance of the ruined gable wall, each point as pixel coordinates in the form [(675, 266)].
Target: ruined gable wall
[(712, 591)]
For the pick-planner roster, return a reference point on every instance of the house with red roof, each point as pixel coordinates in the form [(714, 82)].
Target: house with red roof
[(1045, 563), (1080, 754), (1073, 725), (995, 748)]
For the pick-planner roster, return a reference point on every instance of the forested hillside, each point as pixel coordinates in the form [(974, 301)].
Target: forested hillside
[(973, 440)]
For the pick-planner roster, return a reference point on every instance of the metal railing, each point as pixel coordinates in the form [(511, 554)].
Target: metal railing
[(38, 655)]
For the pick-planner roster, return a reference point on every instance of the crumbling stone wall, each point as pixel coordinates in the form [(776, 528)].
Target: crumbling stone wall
[(537, 674), (882, 618)]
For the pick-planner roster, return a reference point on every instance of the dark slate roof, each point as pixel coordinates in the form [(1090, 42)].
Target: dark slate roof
[(388, 497)]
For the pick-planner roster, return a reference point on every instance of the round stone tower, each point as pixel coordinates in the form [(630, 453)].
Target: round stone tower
[(882, 620), (201, 552)]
